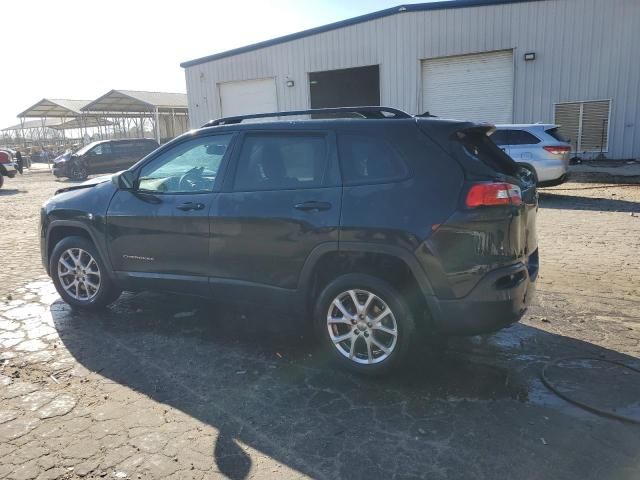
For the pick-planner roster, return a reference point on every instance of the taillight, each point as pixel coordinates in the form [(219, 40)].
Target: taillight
[(557, 150), (4, 158), (494, 193)]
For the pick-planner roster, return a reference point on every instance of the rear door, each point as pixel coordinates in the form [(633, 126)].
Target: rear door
[(282, 201), (124, 154), (523, 146)]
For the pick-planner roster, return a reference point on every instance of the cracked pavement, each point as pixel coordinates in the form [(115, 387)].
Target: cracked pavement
[(164, 386)]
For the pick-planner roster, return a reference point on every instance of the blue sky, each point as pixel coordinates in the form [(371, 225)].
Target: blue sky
[(82, 49)]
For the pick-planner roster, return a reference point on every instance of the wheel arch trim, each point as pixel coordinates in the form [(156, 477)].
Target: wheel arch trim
[(403, 255), (54, 224)]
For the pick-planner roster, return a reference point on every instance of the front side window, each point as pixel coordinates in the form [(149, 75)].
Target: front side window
[(190, 167), (281, 162), (102, 149), (369, 159)]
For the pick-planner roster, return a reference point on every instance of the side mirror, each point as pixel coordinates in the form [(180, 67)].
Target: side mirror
[(124, 180)]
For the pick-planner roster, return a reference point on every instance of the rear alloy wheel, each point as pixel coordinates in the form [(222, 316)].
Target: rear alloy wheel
[(79, 274), (362, 327), (365, 323)]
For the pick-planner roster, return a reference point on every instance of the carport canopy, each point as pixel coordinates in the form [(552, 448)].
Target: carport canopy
[(82, 123), (48, 123), (55, 108), (133, 101), (168, 111)]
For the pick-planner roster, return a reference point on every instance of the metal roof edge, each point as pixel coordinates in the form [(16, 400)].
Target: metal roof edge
[(418, 7), (113, 90), (53, 101)]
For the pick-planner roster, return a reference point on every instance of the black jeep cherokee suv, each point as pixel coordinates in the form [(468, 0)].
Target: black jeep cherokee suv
[(381, 228)]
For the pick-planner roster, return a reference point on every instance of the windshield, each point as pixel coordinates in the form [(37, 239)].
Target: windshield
[(86, 148)]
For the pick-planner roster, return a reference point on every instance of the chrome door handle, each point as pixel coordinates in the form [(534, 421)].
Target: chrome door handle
[(186, 206), (312, 206)]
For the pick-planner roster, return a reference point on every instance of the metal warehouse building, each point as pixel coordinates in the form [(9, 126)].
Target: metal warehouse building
[(572, 62)]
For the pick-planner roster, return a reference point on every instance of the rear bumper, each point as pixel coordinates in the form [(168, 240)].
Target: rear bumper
[(497, 301), (553, 183), (550, 170)]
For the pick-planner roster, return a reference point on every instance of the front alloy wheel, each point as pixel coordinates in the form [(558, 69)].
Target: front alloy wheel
[(78, 172), (79, 274), (362, 326)]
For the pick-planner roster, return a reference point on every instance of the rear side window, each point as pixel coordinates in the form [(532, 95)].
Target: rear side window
[(124, 148), (522, 137), (555, 133), (369, 159), (514, 137), (281, 162)]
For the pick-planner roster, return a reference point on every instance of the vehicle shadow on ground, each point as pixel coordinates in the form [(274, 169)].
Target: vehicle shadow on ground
[(268, 387), (5, 192), (575, 202)]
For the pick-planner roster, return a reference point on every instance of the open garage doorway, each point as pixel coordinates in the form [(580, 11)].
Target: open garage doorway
[(348, 87)]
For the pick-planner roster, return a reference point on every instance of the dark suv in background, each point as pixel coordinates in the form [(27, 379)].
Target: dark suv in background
[(106, 156), (378, 230)]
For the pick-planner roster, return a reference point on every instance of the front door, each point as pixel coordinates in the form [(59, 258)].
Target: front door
[(160, 230), (99, 159), (283, 201)]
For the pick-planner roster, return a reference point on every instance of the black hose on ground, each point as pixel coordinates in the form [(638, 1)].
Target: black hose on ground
[(590, 408)]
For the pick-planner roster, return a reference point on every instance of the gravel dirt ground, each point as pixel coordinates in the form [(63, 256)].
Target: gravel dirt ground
[(162, 386)]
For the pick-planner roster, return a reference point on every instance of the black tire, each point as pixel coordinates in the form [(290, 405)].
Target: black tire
[(77, 171), (106, 293), (405, 325), (531, 170), (1, 180)]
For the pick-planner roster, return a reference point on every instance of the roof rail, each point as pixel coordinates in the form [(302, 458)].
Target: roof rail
[(365, 112)]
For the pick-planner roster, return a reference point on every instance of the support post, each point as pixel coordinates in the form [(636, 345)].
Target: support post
[(157, 117)]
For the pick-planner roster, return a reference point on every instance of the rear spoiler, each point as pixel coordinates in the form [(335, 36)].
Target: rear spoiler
[(479, 128), (451, 128)]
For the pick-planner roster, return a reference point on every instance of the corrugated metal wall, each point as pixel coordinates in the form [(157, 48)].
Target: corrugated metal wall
[(585, 50)]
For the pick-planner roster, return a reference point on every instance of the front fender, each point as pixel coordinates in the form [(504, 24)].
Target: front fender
[(84, 210)]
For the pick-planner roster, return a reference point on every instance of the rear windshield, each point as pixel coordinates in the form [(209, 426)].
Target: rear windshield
[(481, 148), (555, 133)]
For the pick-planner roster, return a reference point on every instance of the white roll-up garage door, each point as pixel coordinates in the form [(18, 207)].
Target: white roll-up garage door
[(476, 87), (249, 96)]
